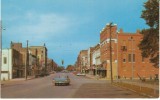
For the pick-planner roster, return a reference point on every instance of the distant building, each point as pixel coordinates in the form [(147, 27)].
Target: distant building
[(51, 65), (96, 62), (41, 54), (82, 60), (90, 67)]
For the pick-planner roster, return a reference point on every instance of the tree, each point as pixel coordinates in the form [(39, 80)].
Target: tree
[(70, 68), (59, 68), (150, 42)]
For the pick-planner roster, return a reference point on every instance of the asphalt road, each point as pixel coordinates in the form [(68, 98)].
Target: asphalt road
[(80, 87)]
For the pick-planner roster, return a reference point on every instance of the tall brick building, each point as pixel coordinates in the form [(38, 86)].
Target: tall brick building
[(127, 61), (41, 53)]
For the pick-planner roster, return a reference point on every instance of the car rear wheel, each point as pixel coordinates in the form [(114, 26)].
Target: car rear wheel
[(56, 84)]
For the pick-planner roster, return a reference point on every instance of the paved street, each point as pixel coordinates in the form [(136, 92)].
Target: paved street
[(80, 87)]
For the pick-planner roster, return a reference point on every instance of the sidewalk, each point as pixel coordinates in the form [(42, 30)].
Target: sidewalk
[(136, 83), (144, 88), (17, 80), (95, 77)]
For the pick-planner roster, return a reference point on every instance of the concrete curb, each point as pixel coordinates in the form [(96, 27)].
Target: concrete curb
[(135, 91)]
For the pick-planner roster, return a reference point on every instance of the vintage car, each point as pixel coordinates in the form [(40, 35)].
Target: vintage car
[(61, 81), (81, 74)]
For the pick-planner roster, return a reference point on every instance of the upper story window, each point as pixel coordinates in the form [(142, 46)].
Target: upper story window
[(124, 48), (142, 59), (130, 57), (124, 58), (4, 60)]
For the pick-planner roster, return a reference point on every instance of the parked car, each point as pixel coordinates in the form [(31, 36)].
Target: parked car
[(81, 74), (61, 81)]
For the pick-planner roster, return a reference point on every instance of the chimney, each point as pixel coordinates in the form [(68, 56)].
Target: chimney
[(121, 30), (138, 31)]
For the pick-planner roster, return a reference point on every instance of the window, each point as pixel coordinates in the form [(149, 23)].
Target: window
[(142, 59), (124, 60), (133, 57), (123, 48), (5, 60), (130, 58)]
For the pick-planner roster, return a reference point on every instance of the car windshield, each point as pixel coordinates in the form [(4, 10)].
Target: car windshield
[(61, 77)]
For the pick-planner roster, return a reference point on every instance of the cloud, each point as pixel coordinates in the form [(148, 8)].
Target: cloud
[(43, 25)]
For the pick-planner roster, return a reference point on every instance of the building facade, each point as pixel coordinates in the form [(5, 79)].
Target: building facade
[(130, 62), (90, 66), (11, 64), (51, 65), (41, 54), (105, 49), (37, 58), (127, 61), (96, 61), (82, 61)]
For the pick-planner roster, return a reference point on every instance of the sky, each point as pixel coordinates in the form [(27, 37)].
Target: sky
[(66, 26)]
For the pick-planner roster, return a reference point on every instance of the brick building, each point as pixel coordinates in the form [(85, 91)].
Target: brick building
[(21, 50), (37, 58), (130, 62), (127, 61), (82, 61), (41, 54), (105, 50), (51, 65)]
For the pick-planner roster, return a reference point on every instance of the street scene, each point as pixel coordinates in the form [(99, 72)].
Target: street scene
[(79, 49), (80, 87)]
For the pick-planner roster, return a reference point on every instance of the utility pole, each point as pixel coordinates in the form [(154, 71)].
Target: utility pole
[(36, 63), (132, 58), (1, 43), (27, 62), (110, 26), (1, 29)]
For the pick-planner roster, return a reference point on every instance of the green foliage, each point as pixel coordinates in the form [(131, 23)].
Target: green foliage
[(151, 13), (150, 43), (70, 68), (59, 68)]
